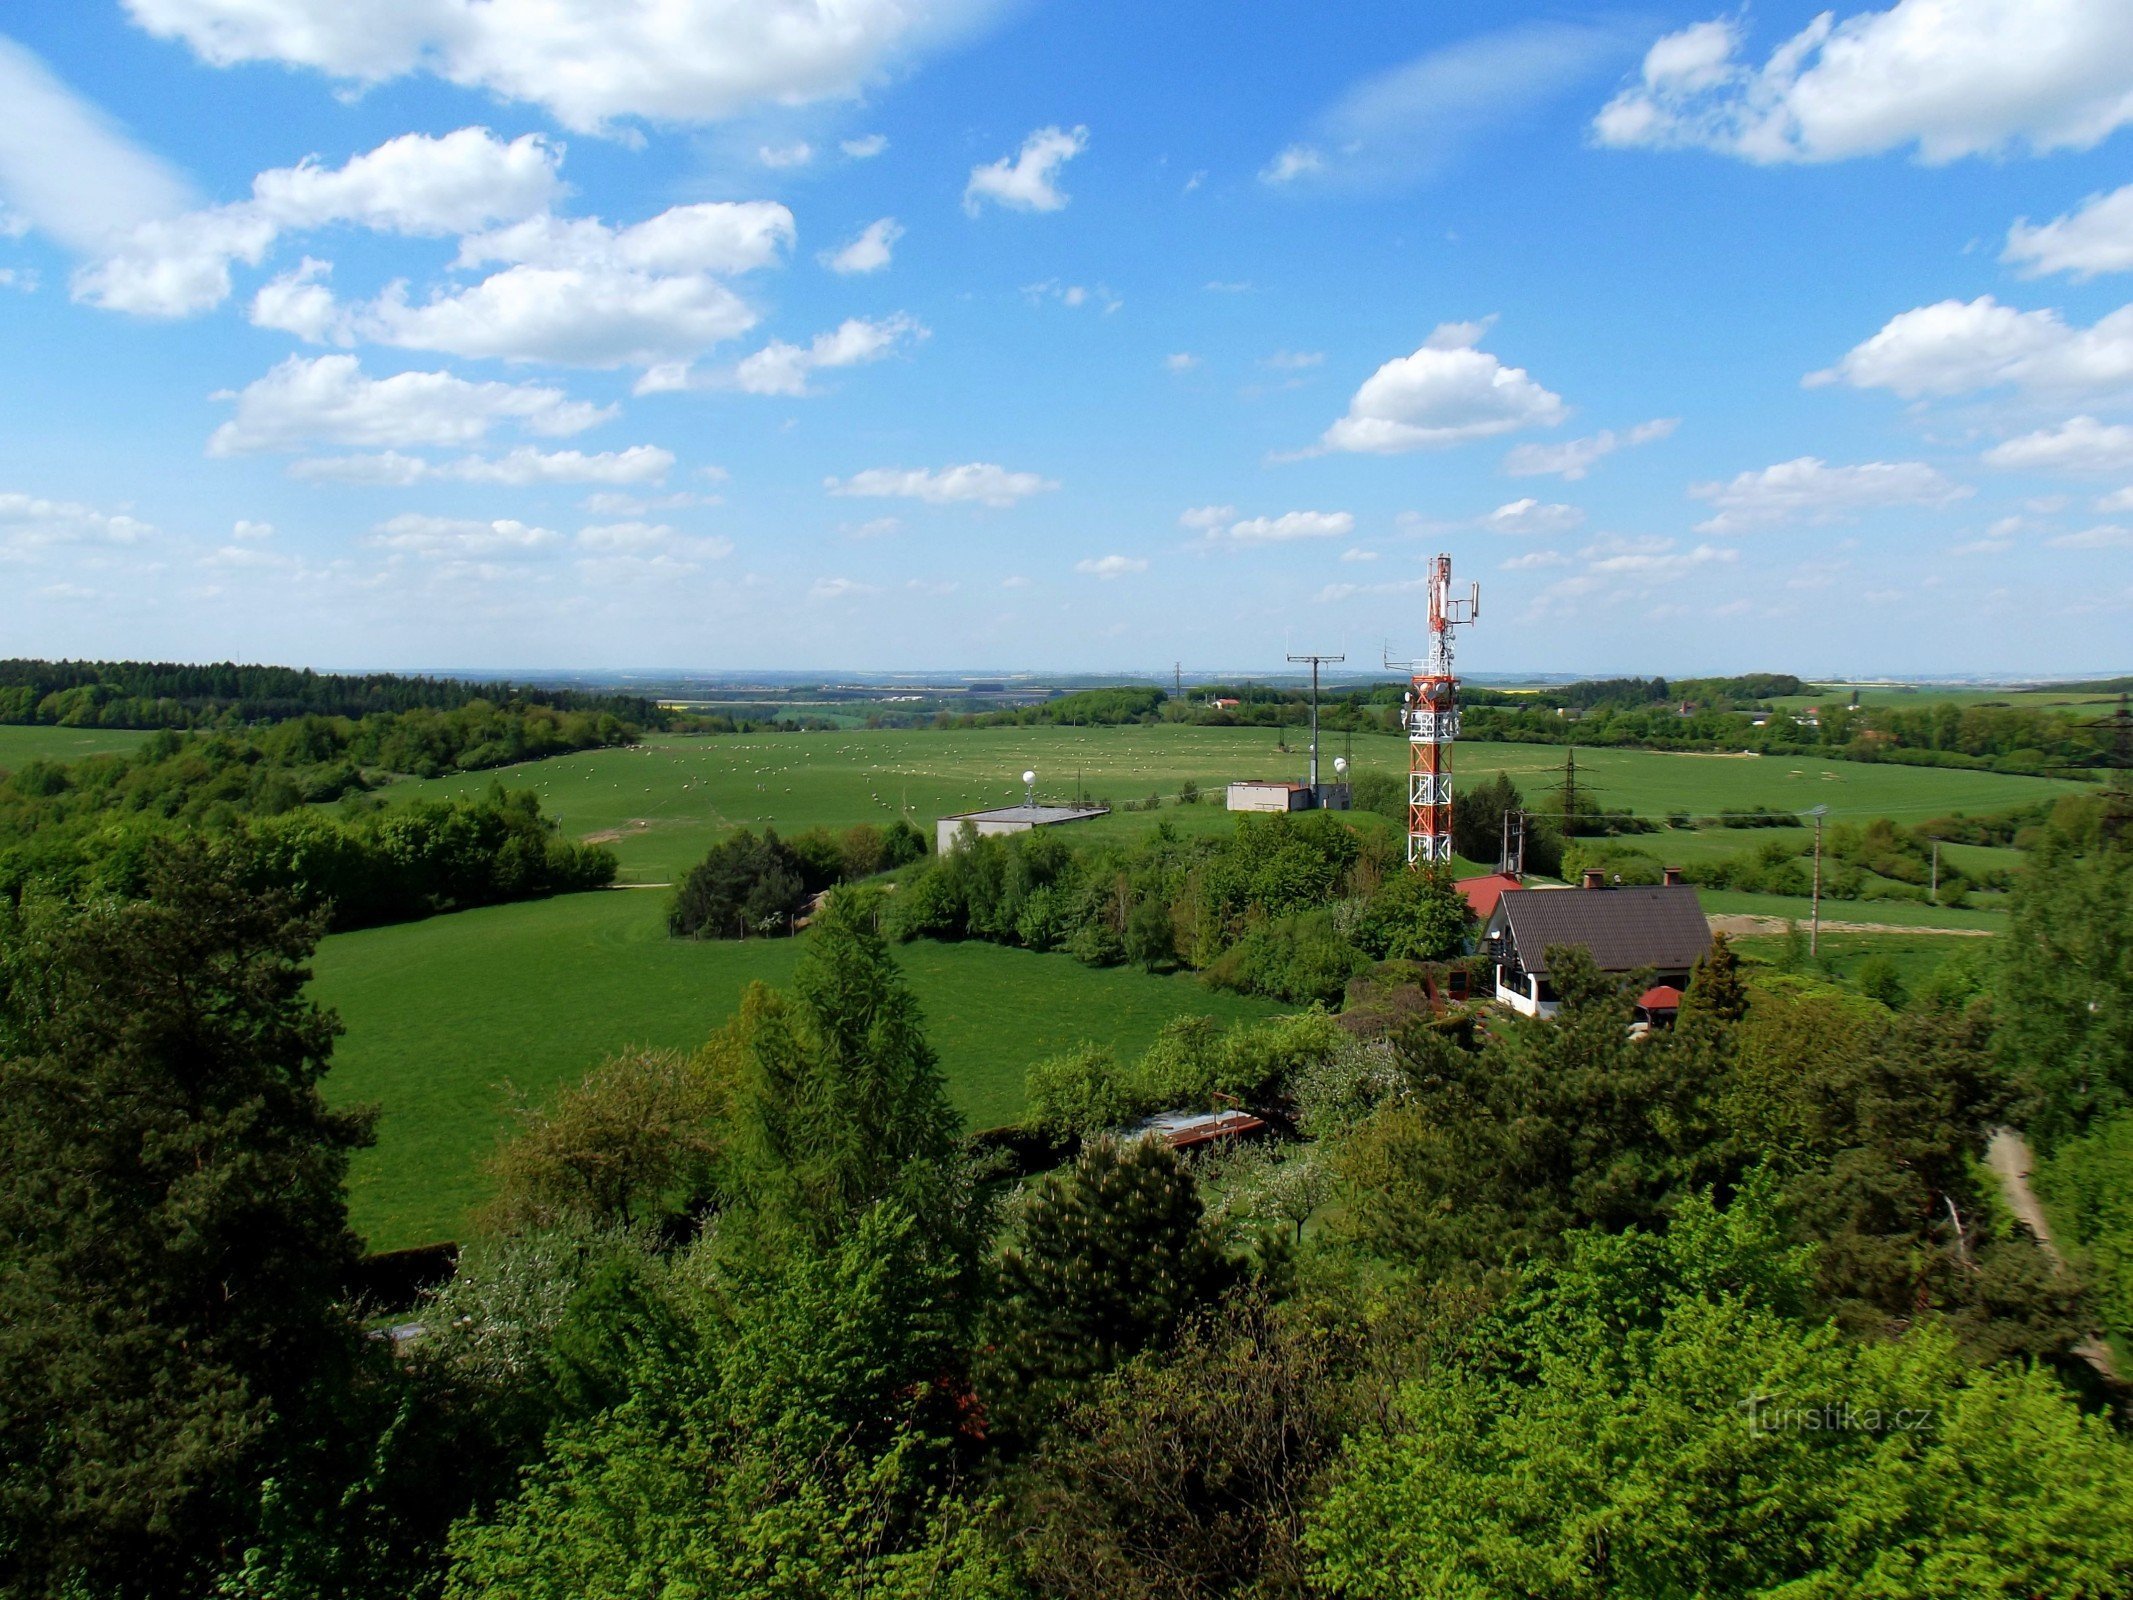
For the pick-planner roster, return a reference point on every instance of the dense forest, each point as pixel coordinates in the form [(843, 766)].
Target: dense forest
[(142, 694), (1533, 1309), (87, 824)]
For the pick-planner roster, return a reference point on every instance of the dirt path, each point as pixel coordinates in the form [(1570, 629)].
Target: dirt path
[(1738, 926), (2009, 1158)]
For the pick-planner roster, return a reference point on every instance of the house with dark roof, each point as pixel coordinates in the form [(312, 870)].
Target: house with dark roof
[(1658, 928)]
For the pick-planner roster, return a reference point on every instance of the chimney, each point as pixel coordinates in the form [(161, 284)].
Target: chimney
[(1672, 877), (1595, 878)]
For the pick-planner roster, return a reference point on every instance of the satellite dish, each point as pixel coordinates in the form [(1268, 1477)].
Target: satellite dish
[(1340, 764), (1029, 777)]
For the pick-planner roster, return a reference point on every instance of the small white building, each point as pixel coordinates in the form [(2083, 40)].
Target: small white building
[(948, 831), (1267, 794)]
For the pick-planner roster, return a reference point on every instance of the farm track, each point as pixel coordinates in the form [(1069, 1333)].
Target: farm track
[(2009, 1158), (1737, 926)]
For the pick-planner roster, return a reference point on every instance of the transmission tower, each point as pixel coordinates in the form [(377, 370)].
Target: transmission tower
[(1316, 797), (1432, 717)]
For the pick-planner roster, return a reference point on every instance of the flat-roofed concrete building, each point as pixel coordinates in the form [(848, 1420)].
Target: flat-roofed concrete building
[(1272, 794), (948, 832)]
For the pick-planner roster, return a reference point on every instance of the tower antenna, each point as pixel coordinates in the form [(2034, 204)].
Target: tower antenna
[(1432, 717), (1317, 797)]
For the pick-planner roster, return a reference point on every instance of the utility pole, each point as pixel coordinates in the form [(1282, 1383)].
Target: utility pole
[(1814, 923), (1933, 894), (1316, 797), (1177, 670)]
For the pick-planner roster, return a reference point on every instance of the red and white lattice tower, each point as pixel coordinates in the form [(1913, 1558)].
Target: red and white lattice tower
[(1432, 717)]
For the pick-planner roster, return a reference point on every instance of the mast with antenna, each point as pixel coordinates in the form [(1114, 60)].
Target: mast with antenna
[(1432, 717), (1318, 797)]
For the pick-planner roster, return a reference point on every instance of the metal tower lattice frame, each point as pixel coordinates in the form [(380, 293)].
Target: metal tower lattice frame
[(1431, 714)]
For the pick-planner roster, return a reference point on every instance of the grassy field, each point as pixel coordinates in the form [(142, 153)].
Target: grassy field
[(443, 1015), (21, 745), (1892, 913), (1915, 956), (1913, 696), (662, 804)]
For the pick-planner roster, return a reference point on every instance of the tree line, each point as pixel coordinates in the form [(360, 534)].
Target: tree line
[(1535, 1310), (145, 694)]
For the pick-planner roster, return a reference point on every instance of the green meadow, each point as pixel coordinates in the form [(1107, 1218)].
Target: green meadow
[(448, 1019), (22, 745), (660, 805)]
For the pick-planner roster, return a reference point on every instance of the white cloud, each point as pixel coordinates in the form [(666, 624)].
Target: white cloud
[(67, 169), (1207, 519), (2108, 536), (1412, 121), (1358, 554), (1952, 77), (1955, 347), (1446, 392), (651, 539), (2116, 500), (613, 503), (1027, 181), (30, 522), (641, 463), (330, 399), (1109, 567), (1294, 360), (1531, 516), (781, 368), (1290, 525), (573, 290), (873, 528), (2080, 444), (839, 589), (1811, 490), (797, 154), (588, 62), (458, 538), (974, 483), (1298, 160), (1533, 559), (1650, 557), (2095, 237), (1181, 361), (869, 252), (1573, 458), (866, 147), (248, 530), (415, 184)]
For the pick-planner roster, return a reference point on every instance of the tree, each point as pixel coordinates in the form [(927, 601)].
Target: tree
[(177, 1233), (838, 1096), (1416, 915), (635, 1138), (1107, 1261), (1656, 1416), (1150, 937), (1478, 819), (745, 885)]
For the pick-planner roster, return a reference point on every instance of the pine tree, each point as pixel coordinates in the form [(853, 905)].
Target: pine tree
[(1109, 1260)]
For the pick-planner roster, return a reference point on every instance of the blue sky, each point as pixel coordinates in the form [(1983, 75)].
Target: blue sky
[(946, 333)]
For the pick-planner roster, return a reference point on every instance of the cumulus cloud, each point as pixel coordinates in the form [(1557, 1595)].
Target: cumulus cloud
[(1953, 78), (244, 528), (797, 154), (416, 184), (589, 63), (1028, 180), (1109, 567), (866, 147), (2108, 536), (1411, 122), (1531, 516), (1958, 347), (1810, 490), (2097, 236), (651, 539), (458, 538), (1290, 525), (1573, 458), (639, 464), (1445, 393), (783, 369), (30, 522), (869, 252), (1534, 559), (329, 399), (973, 483), (2080, 444), (1181, 361)]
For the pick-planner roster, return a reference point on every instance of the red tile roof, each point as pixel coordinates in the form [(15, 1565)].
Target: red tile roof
[(1660, 997), (1483, 893)]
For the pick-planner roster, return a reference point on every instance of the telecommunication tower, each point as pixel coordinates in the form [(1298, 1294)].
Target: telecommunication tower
[(1431, 713)]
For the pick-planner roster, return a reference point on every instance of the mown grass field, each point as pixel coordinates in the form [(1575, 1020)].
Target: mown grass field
[(21, 745), (446, 1018), (1915, 957), (661, 805)]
